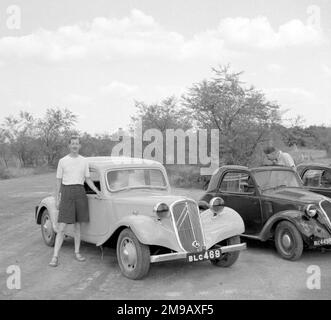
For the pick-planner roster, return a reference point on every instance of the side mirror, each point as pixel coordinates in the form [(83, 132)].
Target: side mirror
[(216, 205)]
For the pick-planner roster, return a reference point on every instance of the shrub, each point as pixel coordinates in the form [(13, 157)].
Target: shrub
[(4, 173), (184, 176)]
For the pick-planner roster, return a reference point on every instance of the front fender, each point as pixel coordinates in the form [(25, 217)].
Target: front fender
[(49, 204), (222, 226), (307, 227), (150, 231)]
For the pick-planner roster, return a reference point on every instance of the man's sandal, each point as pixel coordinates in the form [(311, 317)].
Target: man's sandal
[(54, 262), (79, 257)]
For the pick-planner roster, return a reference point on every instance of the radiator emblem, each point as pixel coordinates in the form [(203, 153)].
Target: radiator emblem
[(195, 244)]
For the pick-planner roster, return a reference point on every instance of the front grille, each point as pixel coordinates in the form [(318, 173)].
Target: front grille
[(326, 206), (187, 221)]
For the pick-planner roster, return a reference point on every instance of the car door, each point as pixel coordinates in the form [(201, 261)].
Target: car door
[(317, 179), (98, 224), (238, 191)]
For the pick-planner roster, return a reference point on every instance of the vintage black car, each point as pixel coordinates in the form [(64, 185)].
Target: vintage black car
[(316, 177), (274, 204)]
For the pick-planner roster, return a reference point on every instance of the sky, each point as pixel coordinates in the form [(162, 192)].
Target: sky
[(97, 57)]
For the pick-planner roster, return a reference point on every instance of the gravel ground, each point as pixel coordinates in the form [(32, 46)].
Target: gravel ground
[(258, 274)]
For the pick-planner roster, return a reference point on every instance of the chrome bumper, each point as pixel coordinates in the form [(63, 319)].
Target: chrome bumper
[(182, 255)]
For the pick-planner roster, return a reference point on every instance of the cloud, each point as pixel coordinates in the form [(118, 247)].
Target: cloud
[(74, 98), (258, 33), (139, 36), (326, 70), (119, 88), (275, 68), (289, 93), (299, 101)]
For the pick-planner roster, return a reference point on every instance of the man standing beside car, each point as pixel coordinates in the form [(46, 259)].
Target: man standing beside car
[(277, 157), (71, 199)]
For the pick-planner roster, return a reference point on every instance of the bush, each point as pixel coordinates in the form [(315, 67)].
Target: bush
[(12, 172), (4, 173), (184, 176)]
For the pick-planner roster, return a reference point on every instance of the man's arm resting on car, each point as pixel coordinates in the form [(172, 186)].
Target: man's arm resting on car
[(92, 186)]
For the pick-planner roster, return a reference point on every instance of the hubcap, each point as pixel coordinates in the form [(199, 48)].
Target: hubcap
[(128, 254), (286, 241), (47, 228)]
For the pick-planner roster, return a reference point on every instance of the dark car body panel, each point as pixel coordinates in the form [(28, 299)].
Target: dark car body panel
[(262, 210)]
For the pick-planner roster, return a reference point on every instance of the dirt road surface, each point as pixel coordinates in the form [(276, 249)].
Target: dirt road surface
[(258, 274)]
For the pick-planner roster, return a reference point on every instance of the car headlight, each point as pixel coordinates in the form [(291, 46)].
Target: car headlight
[(311, 210), (216, 205), (161, 210)]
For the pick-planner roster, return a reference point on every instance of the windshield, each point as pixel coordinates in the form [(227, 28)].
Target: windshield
[(135, 179), (270, 179)]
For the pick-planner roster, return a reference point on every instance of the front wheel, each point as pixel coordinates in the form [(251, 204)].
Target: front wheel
[(133, 257), (288, 241), (229, 258), (47, 230)]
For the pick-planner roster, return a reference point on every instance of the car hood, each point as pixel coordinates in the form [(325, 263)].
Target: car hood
[(294, 194), (144, 201)]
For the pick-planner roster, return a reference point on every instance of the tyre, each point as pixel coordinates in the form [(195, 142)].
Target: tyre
[(288, 241), (47, 230), (229, 258), (133, 257)]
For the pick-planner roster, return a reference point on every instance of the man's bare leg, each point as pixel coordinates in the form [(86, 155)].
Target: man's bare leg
[(58, 244), (79, 257)]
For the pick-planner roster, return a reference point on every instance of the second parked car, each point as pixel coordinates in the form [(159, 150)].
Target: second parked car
[(274, 204)]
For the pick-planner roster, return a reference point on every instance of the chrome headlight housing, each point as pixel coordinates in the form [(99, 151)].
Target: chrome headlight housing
[(216, 205), (311, 210), (161, 210)]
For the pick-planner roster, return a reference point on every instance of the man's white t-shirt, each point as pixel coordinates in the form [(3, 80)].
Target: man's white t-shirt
[(73, 170), (285, 159)]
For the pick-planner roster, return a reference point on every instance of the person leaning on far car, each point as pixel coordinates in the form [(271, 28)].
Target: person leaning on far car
[(71, 199), (277, 157)]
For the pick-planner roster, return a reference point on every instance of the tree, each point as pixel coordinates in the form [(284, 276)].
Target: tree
[(163, 116), (53, 130), (4, 148), (20, 132), (242, 114)]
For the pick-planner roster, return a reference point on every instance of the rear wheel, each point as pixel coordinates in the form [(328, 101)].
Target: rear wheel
[(47, 230), (229, 258), (288, 241), (133, 257)]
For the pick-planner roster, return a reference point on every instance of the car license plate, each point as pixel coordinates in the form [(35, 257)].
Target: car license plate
[(322, 242), (204, 255)]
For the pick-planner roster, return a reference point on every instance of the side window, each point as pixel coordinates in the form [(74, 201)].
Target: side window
[(238, 182), (156, 178), (317, 178), (96, 179)]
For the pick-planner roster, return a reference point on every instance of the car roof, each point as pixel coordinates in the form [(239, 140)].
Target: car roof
[(270, 168), (219, 172), (314, 164), (118, 162), (261, 168)]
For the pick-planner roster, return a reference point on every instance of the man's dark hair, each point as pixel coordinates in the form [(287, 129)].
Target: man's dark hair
[(269, 149), (73, 138)]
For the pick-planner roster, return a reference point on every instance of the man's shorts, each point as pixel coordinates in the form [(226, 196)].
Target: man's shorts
[(73, 204)]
